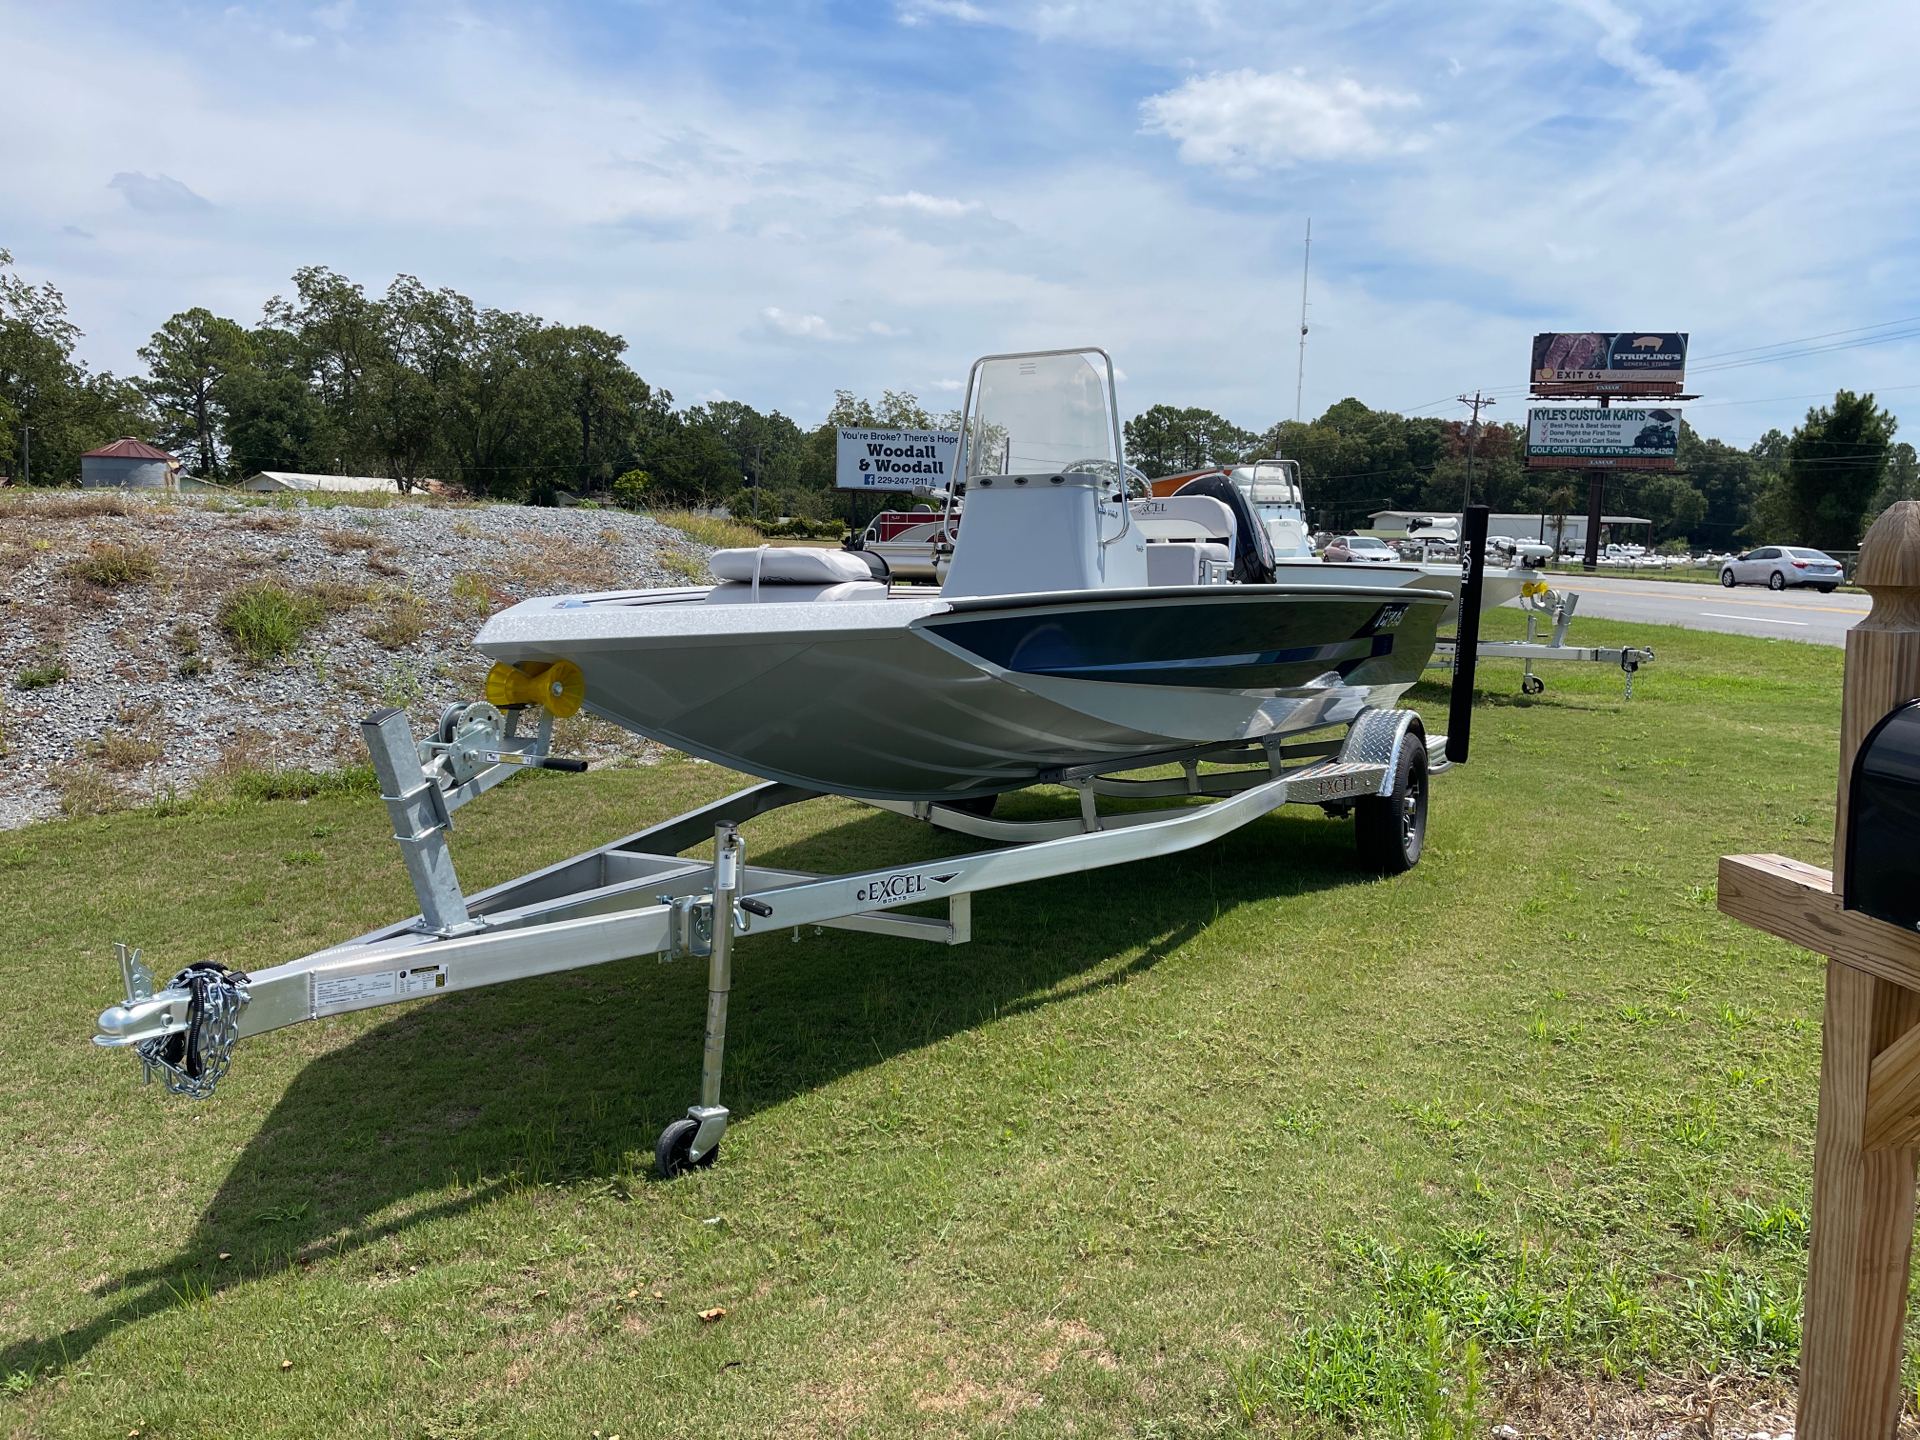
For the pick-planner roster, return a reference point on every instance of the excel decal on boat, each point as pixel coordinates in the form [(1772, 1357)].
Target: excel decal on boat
[(892, 889)]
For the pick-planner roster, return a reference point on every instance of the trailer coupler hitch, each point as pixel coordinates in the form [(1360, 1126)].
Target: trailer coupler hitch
[(185, 1031)]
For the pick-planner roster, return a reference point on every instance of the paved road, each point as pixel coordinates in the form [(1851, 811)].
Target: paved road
[(1785, 614)]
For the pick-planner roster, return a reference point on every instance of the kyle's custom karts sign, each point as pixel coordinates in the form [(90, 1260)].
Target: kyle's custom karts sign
[(895, 459), (1586, 357), (1621, 436)]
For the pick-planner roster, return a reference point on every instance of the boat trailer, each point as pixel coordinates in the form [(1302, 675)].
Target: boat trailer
[(1551, 610), (640, 895)]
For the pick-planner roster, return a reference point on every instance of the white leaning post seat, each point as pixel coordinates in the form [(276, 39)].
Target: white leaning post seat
[(1183, 533), (789, 575)]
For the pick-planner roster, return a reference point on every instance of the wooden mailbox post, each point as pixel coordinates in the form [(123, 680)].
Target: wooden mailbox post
[(1867, 1137)]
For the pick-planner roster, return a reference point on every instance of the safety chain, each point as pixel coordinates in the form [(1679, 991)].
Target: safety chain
[(191, 1061)]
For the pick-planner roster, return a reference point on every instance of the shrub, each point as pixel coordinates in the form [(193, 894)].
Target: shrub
[(266, 621), (111, 566), (633, 488)]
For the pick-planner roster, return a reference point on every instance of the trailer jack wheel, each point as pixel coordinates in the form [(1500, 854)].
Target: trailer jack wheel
[(673, 1151), (1390, 830), (1531, 685)]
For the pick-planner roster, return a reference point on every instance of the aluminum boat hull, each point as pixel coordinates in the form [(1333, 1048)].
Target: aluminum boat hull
[(923, 698)]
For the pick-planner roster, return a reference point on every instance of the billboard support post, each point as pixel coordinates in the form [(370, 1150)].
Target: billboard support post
[(1596, 486)]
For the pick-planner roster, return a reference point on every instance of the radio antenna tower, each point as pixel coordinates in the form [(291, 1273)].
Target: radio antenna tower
[(1300, 374)]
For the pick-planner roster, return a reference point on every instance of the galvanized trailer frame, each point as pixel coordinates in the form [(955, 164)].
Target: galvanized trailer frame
[(640, 895), (1555, 608)]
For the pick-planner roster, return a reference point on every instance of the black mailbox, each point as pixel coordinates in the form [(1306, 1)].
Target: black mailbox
[(1883, 821)]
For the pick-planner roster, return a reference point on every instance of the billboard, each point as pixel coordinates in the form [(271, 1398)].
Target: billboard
[(1623, 437), (894, 459), (1593, 357)]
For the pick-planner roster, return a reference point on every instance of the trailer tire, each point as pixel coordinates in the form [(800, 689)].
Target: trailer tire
[(672, 1152), (1391, 830), (981, 805), (1531, 685)]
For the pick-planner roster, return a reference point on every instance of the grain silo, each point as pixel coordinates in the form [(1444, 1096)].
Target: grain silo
[(129, 464)]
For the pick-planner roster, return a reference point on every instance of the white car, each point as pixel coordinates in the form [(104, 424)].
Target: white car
[(1778, 566), (1365, 549)]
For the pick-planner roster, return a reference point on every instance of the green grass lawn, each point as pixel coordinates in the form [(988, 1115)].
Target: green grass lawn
[(1238, 1138)]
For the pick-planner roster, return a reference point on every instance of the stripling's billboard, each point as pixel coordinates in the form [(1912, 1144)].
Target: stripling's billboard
[(1561, 358)]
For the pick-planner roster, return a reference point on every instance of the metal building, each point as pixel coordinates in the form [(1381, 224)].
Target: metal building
[(269, 481), (129, 464)]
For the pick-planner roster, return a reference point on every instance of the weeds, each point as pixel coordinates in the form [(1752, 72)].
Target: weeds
[(110, 566), (473, 595), (123, 750), (184, 641), (688, 568), (266, 621), (84, 790), (400, 624), (64, 506), (1776, 1227), (709, 529), (42, 675), (341, 541), (1412, 1359)]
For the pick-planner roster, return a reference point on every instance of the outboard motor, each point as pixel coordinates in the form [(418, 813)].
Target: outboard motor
[(1883, 821), (1253, 562)]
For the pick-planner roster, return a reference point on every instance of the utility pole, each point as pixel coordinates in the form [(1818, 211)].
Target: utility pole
[(1478, 402), (1300, 374)]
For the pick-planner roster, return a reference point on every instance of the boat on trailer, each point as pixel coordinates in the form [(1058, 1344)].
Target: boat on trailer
[(1075, 643)]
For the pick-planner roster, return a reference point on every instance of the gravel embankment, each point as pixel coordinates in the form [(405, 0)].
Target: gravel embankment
[(155, 694)]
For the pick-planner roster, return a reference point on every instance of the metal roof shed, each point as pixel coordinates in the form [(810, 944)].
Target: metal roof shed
[(130, 464)]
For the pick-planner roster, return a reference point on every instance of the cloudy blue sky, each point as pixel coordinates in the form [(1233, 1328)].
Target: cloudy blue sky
[(775, 200)]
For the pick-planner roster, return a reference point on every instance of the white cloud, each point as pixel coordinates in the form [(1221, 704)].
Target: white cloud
[(1245, 120), (157, 194), (808, 327), (947, 384), (929, 204), (880, 327)]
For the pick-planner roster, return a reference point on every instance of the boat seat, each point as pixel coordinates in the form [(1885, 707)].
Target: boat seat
[(1194, 519), (735, 592), (789, 565), (1184, 534), (1176, 562)]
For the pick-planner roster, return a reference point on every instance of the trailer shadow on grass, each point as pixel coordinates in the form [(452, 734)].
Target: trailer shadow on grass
[(566, 1080)]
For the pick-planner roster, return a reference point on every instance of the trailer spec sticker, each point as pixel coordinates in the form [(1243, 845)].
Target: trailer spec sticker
[(347, 991), (423, 979), (896, 889)]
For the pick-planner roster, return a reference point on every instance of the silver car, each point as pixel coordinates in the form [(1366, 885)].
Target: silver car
[(1778, 566)]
